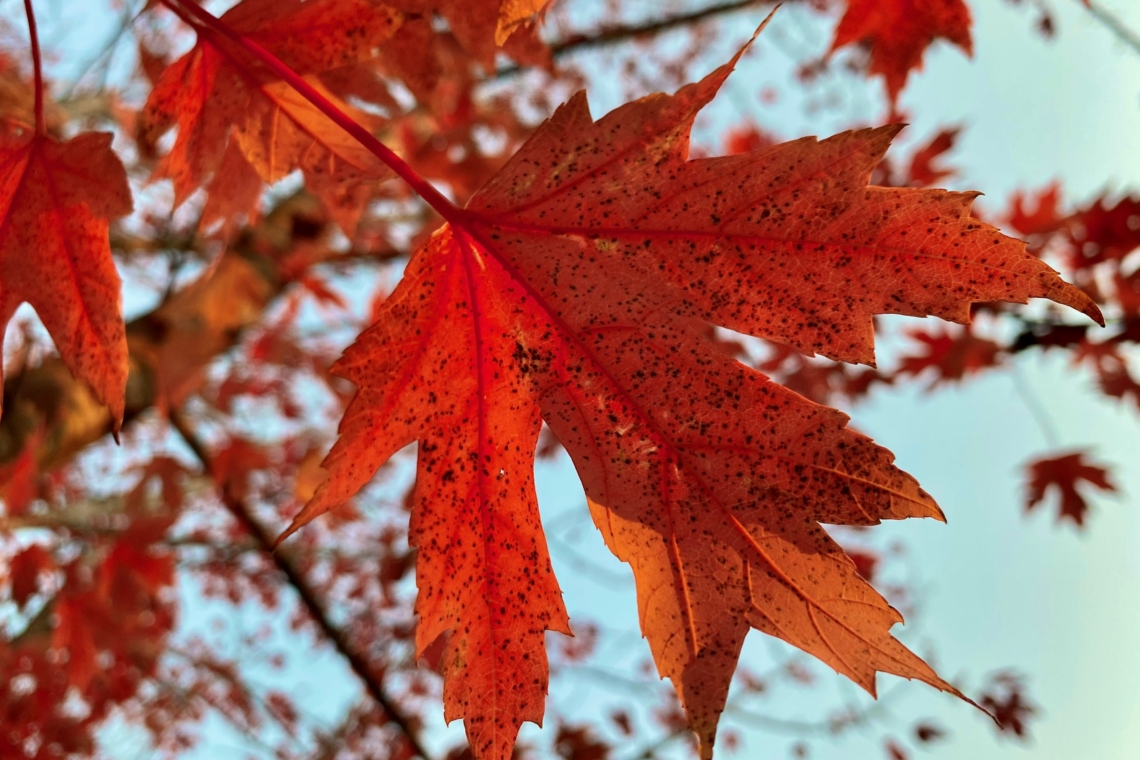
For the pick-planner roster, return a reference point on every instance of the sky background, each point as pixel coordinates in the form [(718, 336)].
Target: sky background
[(998, 589)]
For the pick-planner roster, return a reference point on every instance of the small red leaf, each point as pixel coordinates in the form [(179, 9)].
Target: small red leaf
[(25, 569), (951, 353), (925, 166), (899, 31), (1065, 473)]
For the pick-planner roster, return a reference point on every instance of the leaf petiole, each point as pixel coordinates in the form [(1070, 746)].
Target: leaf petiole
[(37, 66)]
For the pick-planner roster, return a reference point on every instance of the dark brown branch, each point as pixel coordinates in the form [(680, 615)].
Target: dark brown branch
[(612, 35), (307, 595)]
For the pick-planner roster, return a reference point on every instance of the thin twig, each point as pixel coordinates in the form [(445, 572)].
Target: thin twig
[(650, 751), (1113, 24), (308, 596), (1035, 408), (612, 35)]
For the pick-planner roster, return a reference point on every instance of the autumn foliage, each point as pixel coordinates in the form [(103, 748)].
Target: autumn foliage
[(565, 286)]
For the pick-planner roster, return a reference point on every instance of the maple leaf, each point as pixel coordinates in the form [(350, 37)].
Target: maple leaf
[(25, 569), (746, 138), (1128, 293), (168, 472), (925, 164), (56, 199), (1106, 231), (1044, 218), (237, 121), (234, 463), (865, 562), (1004, 697), (1064, 473), (571, 288), (952, 355), (899, 31)]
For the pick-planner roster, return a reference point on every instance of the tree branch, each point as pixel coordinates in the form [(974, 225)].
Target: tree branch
[(1113, 24), (308, 597), (612, 35)]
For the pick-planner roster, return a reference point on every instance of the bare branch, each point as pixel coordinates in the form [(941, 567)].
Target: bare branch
[(307, 595), (612, 35)]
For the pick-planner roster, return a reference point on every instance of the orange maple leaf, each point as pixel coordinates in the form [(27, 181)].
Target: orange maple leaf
[(56, 199), (238, 122), (899, 31), (1064, 473), (572, 289)]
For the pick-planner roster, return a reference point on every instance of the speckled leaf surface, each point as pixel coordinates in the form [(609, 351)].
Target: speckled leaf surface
[(572, 287), (56, 199), (440, 367)]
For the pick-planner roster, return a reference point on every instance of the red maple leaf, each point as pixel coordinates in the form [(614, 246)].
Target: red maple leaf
[(1045, 216), (568, 290), (926, 169), (747, 138), (951, 354), (1106, 231), (56, 199), (1004, 698), (25, 569), (240, 125), (1065, 473), (899, 31), (865, 562)]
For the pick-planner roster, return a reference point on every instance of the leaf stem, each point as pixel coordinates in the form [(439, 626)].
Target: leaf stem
[(37, 66), (199, 17)]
